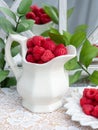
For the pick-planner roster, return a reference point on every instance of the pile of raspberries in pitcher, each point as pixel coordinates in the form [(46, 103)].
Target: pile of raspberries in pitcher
[(38, 15), (41, 50), (89, 101)]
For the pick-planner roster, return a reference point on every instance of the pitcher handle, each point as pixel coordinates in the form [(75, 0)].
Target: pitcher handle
[(8, 57)]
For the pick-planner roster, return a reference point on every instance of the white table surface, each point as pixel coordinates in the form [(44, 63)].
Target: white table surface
[(14, 117)]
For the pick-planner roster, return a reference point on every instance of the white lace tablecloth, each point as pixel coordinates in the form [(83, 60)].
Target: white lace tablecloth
[(14, 117)]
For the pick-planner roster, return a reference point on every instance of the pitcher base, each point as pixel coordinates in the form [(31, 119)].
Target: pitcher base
[(42, 108)]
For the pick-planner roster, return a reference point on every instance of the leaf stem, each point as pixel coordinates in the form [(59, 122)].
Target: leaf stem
[(83, 68), (17, 23)]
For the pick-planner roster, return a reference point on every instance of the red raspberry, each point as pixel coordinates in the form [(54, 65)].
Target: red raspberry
[(95, 112), (85, 91), (91, 93), (47, 56), (37, 20), (30, 15), (94, 102), (30, 50), (37, 52), (84, 100), (87, 108), (41, 10), (30, 58), (34, 8), (37, 40), (60, 51), (61, 45), (29, 43), (45, 18), (49, 44), (96, 96), (40, 62)]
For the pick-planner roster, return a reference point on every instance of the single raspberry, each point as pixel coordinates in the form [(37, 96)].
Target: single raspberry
[(85, 91), (37, 20), (91, 93), (61, 45), (34, 8), (40, 62), (30, 50), (95, 112), (41, 10), (96, 96), (30, 15), (29, 43), (60, 51), (47, 56), (37, 40), (45, 18), (49, 44), (87, 109), (94, 102), (37, 52), (84, 100), (30, 58)]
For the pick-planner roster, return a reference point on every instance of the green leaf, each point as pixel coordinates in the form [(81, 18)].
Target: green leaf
[(2, 61), (69, 12), (3, 74), (74, 78), (45, 33), (88, 52), (15, 50), (72, 64), (52, 12), (8, 12), (94, 77), (24, 7), (8, 82), (14, 44), (2, 44), (6, 25), (25, 25), (59, 38), (67, 37), (54, 30), (77, 39), (81, 28)]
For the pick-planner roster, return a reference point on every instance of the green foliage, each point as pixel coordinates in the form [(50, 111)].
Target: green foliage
[(8, 12), (3, 74), (6, 25), (88, 52), (77, 39), (14, 23), (25, 25), (24, 7), (21, 24), (72, 64), (85, 55), (75, 77), (94, 77), (69, 12), (52, 12), (81, 28), (58, 38)]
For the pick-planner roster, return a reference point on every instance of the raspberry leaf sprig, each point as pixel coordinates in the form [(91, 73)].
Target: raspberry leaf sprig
[(86, 52), (12, 22), (52, 11)]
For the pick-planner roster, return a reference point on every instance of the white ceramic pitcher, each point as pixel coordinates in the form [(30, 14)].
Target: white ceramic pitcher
[(41, 86)]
